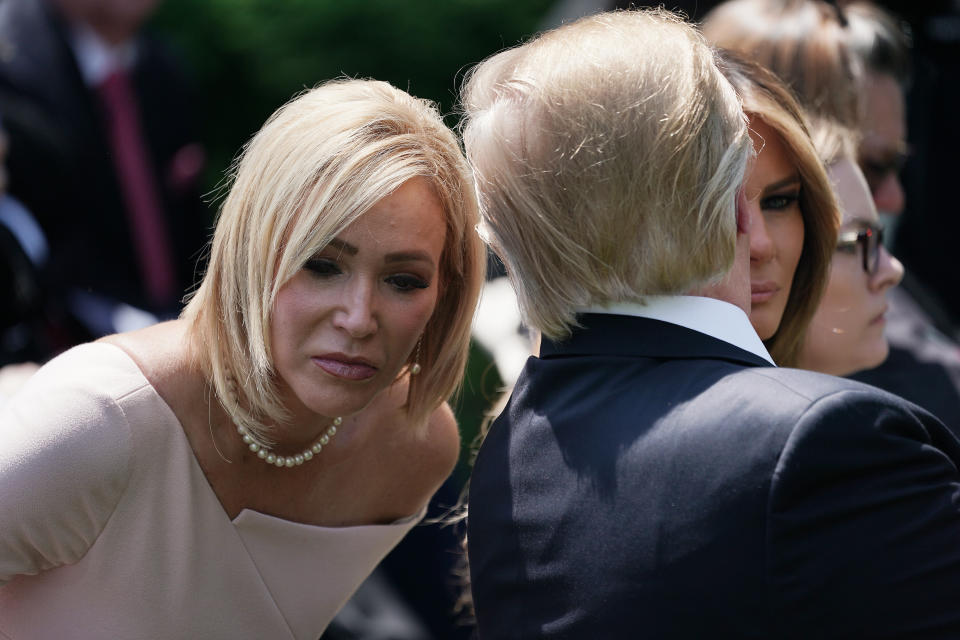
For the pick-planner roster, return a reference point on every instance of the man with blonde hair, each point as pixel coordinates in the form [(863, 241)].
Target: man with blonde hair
[(653, 474)]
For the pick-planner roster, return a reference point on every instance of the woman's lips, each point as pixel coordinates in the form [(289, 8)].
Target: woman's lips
[(763, 291), (880, 318), (345, 367)]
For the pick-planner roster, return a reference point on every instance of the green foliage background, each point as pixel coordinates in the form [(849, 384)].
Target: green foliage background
[(250, 56), (247, 57)]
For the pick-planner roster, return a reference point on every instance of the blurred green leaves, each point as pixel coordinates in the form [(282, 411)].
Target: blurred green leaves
[(249, 56)]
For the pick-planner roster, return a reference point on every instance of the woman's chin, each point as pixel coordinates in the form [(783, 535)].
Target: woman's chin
[(764, 323)]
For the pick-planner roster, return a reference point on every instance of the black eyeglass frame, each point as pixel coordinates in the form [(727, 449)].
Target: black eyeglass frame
[(870, 240)]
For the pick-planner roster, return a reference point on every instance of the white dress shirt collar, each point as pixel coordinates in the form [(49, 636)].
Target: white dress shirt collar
[(96, 58), (713, 317)]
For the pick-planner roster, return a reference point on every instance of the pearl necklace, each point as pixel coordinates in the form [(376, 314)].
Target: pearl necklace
[(289, 461)]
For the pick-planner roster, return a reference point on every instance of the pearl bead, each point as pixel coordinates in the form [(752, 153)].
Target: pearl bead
[(289, 461)]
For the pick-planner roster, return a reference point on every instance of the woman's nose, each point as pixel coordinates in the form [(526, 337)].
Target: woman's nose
[(761, 245), (357, 314), (889, 271)]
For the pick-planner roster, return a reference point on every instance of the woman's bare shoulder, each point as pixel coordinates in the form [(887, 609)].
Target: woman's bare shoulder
[(415, 459), (162, 353)]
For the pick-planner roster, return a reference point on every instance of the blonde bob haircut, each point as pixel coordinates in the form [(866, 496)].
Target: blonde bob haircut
[(767, 99), (320, 162), (608, 154)]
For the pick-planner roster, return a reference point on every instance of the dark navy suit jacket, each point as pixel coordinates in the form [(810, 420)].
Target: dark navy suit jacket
[(61, 165), (646, 480)]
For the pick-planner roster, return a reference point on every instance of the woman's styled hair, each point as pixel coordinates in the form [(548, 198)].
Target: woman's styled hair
[(608, 154), (807, 45), (766, 98), (317, 164), (803, 41)]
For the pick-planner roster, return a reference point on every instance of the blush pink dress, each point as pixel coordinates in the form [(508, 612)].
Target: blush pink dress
[(109, 529)]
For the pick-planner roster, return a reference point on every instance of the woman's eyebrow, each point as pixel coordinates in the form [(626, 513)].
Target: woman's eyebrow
[(407, 256), (342, 246), (784, 182)]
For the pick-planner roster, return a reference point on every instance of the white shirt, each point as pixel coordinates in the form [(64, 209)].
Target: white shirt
[(715, 318), (96, 58)]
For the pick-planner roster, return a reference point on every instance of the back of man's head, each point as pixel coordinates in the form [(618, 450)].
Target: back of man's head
[(608, 154)]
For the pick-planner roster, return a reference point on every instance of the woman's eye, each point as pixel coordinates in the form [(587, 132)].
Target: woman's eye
[(779, 201), (406, 282), (322, 267), (847, 247)]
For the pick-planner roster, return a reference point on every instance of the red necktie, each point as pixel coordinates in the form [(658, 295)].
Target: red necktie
[(150, 238)]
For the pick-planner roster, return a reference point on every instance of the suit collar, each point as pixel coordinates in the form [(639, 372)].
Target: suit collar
[(622, 335), (717, 318)]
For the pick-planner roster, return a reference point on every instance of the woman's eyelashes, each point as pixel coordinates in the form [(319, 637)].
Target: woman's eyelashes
[(323, 267), (407, 282), (779, 201), (402, 282)]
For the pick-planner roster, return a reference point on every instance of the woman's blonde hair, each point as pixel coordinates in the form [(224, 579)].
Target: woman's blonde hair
[(766, 98), (608, 154), (317, 164)]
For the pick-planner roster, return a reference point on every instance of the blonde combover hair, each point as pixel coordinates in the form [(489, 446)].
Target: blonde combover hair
[(317, 164), (608, 154), (766, 98)]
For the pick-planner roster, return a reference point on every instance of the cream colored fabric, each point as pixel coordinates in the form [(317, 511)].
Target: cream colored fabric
[(109, 529)]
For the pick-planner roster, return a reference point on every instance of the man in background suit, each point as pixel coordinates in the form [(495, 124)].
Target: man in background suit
[(103, 152), (653, 475)]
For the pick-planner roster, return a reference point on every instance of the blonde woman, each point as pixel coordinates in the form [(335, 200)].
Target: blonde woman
[(239, 471)]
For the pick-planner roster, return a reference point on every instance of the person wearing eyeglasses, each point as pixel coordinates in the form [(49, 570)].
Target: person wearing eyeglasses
[(842, 61), (846, 333)]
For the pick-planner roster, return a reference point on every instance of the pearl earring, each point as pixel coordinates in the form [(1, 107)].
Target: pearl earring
[(415, 368)]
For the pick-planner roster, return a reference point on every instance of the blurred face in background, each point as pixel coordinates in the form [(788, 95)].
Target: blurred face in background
[(114, 20), (846, 334), (772, 191), (883, 149)]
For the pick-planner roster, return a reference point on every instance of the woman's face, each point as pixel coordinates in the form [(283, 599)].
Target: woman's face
[(772, 191), (883, 147), (346, 323), (846, 334)]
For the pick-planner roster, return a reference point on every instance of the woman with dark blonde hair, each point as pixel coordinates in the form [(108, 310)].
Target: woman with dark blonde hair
[(239, 471), (794, 214), (805, 43)]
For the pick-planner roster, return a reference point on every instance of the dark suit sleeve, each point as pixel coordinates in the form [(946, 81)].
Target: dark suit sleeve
[(863, 534)]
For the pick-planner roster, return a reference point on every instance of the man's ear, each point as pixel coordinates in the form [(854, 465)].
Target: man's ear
[(743, 217)]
